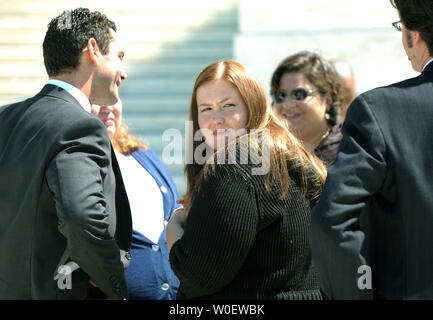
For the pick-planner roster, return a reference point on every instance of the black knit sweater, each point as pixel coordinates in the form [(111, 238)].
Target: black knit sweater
[(242, 242)]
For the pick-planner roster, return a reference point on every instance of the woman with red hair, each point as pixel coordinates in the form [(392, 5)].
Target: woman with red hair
[(243, 230)]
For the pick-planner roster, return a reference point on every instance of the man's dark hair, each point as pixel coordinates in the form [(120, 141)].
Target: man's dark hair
[(417, 15), (69, 33)]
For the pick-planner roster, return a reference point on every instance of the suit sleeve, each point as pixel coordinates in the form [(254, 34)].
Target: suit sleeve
[(220, 230), (355, 177), (75, 176)]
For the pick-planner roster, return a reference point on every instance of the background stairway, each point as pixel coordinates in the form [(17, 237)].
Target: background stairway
[(167, 44)]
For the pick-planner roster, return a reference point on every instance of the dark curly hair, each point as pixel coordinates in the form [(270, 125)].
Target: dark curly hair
[(319, 72), (417, 15), (69, 33)]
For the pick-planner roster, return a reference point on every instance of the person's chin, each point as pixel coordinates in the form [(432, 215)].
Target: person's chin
[(114, 97), (111, 132), (295, 125), (220, 142), (109, 100), (214, 144)]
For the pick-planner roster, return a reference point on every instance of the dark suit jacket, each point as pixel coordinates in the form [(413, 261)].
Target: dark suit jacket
[(377, 205), (58, 192)]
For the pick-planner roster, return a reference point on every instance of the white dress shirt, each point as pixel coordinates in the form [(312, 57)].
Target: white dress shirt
[(77, 94), (428, 62)]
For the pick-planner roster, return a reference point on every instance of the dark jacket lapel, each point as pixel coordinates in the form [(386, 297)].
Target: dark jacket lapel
[(428, 70), (123, 212)]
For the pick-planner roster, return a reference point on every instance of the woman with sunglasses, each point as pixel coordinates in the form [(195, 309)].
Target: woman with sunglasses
[(243, 233), (306, 92)]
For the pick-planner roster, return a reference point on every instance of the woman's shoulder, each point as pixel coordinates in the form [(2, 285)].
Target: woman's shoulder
[(149, 160), (334, 135), (243, 163), (328, 147), (333, 138), (145, 155)]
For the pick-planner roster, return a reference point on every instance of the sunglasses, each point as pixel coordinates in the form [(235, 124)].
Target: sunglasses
[(298, 94), (397, 25)]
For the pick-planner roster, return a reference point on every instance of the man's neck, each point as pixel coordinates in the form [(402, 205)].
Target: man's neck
[(422, 56), (75, 92), (314, 138), (81, 83)]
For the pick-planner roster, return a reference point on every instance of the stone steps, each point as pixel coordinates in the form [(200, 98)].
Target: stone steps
[(167, 44)]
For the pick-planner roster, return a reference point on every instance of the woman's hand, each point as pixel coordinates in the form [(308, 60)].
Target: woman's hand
[(175, 226), (184, 202)]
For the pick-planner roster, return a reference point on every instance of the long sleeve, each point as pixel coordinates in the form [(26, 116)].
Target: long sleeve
[(76, 176), (337, 238), (220, 230)]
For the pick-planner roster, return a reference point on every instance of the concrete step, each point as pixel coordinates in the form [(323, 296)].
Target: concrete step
[(156, 124), (148, 106), (167, 44), (24, 88), (31, 70), (36, 36), (140, 87), (133, 106), (154, 87), (157, 67), (10, 21), (52, 7), (134, 52)]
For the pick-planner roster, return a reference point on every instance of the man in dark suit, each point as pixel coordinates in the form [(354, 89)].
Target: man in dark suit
[(372, 229), (63, 205)]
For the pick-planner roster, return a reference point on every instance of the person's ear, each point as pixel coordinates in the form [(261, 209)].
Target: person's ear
[(328, 101), (93, 51), (416, 37)]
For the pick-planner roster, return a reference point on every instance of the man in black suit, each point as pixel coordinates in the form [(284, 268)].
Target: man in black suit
[(63, 205), (372, 229)]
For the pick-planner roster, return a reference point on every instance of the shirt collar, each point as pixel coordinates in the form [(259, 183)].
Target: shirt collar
[(77, 94), (428, 62)]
